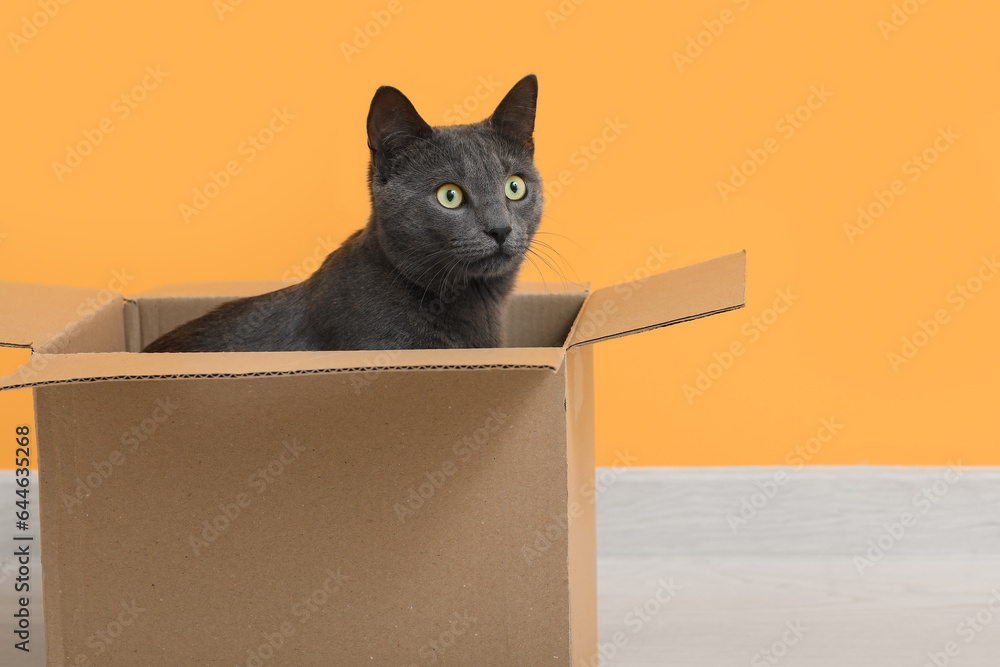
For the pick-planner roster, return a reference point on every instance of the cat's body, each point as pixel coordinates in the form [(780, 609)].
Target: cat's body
[(425, 272), (369, 313)]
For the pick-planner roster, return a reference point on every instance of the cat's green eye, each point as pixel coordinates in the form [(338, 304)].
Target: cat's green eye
[(514, 188), (450, 195)]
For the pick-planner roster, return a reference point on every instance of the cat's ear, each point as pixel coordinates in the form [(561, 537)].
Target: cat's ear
[(515, 115), (393, 121)]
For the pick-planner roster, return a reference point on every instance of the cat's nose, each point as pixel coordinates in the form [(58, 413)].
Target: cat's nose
[(499, 234)]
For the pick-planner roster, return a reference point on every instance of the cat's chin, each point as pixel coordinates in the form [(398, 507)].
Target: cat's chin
[(495, 265)]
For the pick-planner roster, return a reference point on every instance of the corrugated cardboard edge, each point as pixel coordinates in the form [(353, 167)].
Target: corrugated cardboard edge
[(582, 526), (49, 369), (680, 295)]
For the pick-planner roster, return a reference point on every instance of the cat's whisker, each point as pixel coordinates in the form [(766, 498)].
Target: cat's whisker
[(540, 274), (419, 280), (563, 262), (404, 265), (444, 282), (559, 256), (431, 283), (570, 239), (545, 260), (546, 244)]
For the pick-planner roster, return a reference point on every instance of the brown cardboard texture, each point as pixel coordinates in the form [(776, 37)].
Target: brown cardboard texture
[(331, 508)]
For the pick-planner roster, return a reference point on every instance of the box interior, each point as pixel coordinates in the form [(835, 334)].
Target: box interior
[(538, 315)]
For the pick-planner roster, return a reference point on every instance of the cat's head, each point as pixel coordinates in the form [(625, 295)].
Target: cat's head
[(455, 202)]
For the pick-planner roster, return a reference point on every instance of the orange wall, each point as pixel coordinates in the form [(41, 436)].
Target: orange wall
[(665, 130)]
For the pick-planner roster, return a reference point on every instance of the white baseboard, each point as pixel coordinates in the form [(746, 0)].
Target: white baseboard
[(812, 510)]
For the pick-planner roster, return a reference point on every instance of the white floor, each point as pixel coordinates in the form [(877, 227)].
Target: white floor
[(788, 572), (9, 575), (794, 585), (803, 610)]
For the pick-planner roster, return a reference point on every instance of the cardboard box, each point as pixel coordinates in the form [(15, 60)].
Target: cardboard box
[(330, 508)]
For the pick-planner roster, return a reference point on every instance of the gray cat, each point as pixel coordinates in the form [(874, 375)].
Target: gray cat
[(454, 211)]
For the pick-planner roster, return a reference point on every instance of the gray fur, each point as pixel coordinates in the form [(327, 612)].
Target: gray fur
[(418, 275)]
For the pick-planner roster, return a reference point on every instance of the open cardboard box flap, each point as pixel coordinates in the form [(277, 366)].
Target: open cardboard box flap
[(663, 299), (62, 325), (39, 316)]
